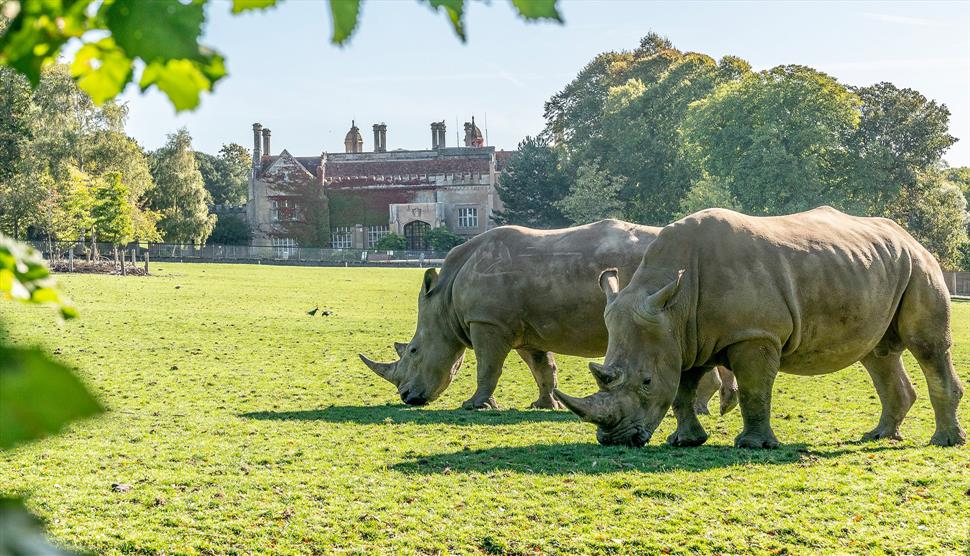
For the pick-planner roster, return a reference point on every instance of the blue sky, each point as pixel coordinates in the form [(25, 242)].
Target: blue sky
[(405, 66)]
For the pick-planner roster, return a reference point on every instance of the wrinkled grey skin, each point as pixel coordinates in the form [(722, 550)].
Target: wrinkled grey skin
[(517, 288), (807, 294)]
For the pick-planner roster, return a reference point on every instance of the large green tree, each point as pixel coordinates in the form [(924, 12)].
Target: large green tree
[(775, 138), (179, 196), (226, 175), (530, 185)]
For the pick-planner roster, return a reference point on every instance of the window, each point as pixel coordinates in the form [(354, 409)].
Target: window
[(283, 210), (468, 217), (342, 237), (284, 247), (374, 234)]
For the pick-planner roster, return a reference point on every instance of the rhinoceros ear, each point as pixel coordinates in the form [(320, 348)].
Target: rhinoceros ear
[(399, 348), (610, 284), (662, 298), (430, 280)]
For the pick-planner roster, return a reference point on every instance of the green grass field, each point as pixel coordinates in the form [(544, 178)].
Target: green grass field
[(245, 426)]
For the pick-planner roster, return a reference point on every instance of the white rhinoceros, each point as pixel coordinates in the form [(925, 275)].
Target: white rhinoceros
[(530, 290)]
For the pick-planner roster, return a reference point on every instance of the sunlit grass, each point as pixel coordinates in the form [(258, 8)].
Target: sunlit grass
[(246, 426)]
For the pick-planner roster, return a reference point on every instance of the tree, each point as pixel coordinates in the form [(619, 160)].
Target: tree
[(226, 176), (775, 139), (935, 213), (161, 39), (530, 185), (707, 193), (443, 240), (901, 134), (391, 242), (111, 211), (231, 229), (179, 196), (593, 196)]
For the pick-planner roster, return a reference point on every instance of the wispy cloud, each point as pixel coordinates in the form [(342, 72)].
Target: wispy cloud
[(904, 19)]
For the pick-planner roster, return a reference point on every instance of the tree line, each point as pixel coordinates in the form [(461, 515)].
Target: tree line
[(69, 172), (652, 134)]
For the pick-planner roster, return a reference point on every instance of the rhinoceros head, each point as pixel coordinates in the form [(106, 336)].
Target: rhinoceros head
[(428, 363), (641, 372)]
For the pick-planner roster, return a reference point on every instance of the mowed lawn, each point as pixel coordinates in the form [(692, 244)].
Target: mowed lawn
[(246, 426)]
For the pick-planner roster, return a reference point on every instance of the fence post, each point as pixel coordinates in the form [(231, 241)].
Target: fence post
[(146, 261), (70, 260)]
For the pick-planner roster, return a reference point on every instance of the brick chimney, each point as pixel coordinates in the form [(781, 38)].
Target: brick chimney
[(380, 138), (266, 151), (257, 132)]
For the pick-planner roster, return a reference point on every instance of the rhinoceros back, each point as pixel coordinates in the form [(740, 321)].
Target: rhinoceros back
[(541, 285), (825, 285)]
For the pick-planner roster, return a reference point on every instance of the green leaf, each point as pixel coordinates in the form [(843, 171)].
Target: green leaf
[(22, 533), (344, 14), (156, 29), (36, 34), (184, 80), (537, 9), (239, 6), (24, 276), (101, 69), (38, 396), (455, 10)]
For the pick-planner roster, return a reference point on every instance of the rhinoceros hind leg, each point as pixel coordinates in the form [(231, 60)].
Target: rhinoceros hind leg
[(755, 364), (689, 430), (924, 323), (895, 392), (728, 391), (708, 385), (491, 348), (543, 367)]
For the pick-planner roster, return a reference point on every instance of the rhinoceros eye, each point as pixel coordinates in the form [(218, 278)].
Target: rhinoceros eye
[(413, 350), (646, 381)]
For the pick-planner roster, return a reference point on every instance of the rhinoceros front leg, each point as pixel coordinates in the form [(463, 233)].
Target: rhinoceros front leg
[(895, 392), (491, 348), (689, 430), (543, 367), (755, 364)]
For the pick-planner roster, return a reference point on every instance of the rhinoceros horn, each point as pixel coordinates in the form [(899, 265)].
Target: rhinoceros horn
[(399, 348), (604, 375), (586, 408), (383, 370)]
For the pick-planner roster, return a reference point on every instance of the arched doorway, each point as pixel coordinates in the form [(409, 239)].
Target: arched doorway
[(416, 234)]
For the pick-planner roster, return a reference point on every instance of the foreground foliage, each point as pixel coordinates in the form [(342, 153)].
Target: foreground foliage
[(243, 425)]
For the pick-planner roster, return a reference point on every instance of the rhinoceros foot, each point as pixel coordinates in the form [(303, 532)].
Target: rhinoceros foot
[(756, 440), (880, 432), (952, 436), (547, 402), (687, 438), (476, 404)]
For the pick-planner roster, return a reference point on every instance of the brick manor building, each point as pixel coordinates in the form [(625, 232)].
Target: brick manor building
[(366, 195)]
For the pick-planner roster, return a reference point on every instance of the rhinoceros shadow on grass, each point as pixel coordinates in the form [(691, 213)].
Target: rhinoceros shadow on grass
[(370, 415), (571, 458)]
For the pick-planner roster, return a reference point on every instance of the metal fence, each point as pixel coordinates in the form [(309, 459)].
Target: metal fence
[(258, 254)]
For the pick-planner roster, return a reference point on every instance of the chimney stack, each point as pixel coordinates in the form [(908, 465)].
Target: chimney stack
[(380, 138), (266, 132), (257, 131), (438, 135)]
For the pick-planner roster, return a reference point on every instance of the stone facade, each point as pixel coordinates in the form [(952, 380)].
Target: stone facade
[(351, 199)]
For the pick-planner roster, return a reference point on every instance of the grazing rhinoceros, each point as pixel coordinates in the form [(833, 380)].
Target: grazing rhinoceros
[(807, 294), (529, 290)]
